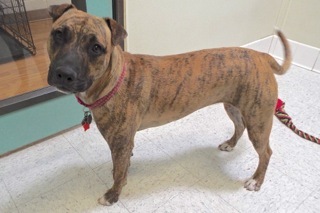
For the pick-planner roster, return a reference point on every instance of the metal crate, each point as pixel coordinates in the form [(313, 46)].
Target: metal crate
[(14, 20)]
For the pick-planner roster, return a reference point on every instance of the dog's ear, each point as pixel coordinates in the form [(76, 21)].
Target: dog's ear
[(55, 11), (118, 33)]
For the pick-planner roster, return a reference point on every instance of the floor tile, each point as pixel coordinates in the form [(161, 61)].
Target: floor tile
[(311, 204), (40, 168), (6, 203), (77, 195), (153, 179), (92, 147), (298, 88), (296, 157), (308, 119), (194, 200), (293, 155), (279, 193)]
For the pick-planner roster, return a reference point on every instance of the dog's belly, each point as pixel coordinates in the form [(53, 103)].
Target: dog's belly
[(154, 120)]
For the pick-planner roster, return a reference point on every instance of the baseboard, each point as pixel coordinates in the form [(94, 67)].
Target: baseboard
[(304, 56)]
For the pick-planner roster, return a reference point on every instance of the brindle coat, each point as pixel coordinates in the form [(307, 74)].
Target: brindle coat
[(86, 60)]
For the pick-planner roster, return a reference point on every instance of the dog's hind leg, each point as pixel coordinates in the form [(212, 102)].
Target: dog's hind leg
[(259, 129), (239, 126)]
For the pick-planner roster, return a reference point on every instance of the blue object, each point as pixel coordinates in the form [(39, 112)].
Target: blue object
[(101, 8)]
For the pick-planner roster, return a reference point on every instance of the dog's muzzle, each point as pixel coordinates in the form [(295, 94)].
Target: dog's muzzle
[(68, 73), (67, 80)]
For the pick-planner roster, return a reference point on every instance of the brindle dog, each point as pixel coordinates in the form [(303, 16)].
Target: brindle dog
[(86, 60)]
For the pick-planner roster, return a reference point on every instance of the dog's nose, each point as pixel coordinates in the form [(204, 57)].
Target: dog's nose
[(65, 75)]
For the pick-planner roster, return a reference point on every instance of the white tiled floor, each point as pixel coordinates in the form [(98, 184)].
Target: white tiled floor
[(176, 167)]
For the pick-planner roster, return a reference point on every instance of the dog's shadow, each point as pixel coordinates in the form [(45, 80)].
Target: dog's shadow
[(199, 168), (145, 177)]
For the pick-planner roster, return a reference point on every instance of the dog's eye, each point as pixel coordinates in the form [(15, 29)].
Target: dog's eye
[(97, 49), (58, 35)]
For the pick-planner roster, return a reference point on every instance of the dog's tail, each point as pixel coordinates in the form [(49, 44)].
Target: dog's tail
[(281, 69)]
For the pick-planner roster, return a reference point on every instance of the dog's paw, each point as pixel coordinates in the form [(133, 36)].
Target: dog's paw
[(252, 185), (102, 200), (225, 147), (109, 198)]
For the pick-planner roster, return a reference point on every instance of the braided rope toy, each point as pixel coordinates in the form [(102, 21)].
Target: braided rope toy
[(281, 114)]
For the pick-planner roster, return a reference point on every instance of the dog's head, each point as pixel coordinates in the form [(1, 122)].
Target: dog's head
[(80, 47)]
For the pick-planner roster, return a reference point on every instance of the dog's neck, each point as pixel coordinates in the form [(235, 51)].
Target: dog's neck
[(108, 80)]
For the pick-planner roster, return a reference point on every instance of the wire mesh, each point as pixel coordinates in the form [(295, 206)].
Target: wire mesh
[(14, 20)]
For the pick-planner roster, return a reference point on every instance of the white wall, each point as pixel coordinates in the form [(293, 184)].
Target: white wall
[(302, 21), (163, 27), (42, 4), (166, 26)]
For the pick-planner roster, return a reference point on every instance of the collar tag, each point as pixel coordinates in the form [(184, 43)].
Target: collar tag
[(87, 119)]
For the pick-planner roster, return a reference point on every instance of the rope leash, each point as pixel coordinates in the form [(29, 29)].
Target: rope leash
[(281, 114)]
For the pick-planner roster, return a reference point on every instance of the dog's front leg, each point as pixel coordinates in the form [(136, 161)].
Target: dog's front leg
[(121, 149)]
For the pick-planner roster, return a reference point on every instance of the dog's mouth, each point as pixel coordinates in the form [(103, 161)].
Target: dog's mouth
[(71, 88), (67, 80), (65, 90)]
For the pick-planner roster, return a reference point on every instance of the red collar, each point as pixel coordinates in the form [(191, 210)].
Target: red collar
[(101, 101)]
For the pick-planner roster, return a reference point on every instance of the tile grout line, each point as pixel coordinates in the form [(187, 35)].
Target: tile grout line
[(5, 185), (315, 62), (305, 199), (164, 151), (87, 164), (228, 203), (290, 177)]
